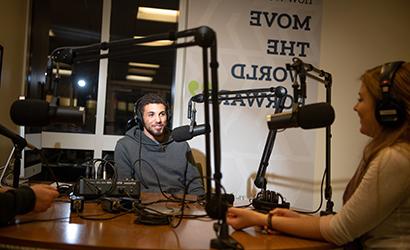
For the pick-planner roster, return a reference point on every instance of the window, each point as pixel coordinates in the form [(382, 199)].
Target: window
[(107, 89), (137, 71), (65, 23)]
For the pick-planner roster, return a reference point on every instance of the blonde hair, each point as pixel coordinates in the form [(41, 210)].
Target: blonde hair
[(400, 91)]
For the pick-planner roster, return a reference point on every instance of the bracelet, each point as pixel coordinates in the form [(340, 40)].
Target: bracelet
[(270, 221)]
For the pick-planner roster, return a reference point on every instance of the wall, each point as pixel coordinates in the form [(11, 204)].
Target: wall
[(13, 39), (356, 35)]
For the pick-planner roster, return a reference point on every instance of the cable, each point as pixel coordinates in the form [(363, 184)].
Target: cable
[(321, 198), (140, 158), (64, 189)]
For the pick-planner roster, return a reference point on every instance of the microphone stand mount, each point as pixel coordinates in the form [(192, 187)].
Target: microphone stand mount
[(303, 70), (19, 144), (265, 200)]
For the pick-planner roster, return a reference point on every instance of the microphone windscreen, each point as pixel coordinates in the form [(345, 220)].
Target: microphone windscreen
[(30, 112), (317, 115), (182, 133), (199, 98)]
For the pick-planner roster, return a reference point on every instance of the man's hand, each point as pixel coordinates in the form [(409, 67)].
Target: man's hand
[(45, 195)]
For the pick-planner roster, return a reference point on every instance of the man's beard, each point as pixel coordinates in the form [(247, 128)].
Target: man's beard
[(154, 132)]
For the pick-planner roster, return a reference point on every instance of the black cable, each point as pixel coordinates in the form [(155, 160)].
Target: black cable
[(64, 189), (156, 177), (149, 216), (145, 218), (90, 217), (186, 186), (139, 163), (321, 198)]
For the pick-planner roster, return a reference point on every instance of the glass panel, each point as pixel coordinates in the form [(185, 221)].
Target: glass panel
[(135, 74), (59, 24), (108, 155), (67, 165)]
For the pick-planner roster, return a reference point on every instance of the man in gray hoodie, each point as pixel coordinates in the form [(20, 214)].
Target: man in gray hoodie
[(148, 153)]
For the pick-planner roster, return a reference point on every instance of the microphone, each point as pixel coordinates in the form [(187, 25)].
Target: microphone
[(310, 116), (15, 138), (185, 133), (199, 98), (39, 113), (64, 55)]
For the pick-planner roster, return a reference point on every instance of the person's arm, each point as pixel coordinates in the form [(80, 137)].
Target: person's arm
[(282, 220), (379, 193), (24, 199), (123, 165), (16, 201), (383, 188)]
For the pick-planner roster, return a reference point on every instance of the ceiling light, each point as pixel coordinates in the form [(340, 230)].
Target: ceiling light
[(143, 65), (139, 78), (81, 83), (156, 14), (62, 72)]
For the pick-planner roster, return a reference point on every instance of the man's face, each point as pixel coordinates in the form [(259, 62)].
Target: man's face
[(155, 120)]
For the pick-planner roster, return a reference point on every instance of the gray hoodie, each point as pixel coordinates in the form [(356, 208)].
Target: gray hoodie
[(156, 164)]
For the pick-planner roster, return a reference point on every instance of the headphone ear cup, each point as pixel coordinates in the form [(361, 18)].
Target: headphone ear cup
[(138, 116), (169, 117), (389, 113), (139, 120)]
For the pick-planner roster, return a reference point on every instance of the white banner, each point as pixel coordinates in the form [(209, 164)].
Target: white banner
[(256, 39)]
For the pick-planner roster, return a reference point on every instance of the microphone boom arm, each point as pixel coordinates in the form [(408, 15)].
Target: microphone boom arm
[(19, 144), (279, 93), (302, 68)]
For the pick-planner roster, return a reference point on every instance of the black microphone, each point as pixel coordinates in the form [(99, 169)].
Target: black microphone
[(199, 98), (64, 55), (39, 113), (185, 133), (310, 116)]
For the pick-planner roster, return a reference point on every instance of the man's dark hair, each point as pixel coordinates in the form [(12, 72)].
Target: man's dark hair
[(149, 99)]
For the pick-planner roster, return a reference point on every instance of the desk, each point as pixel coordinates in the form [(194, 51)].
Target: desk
[(122, 233)]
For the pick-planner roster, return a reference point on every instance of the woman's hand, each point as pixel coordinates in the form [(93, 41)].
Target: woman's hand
[(285, 213), (240, 218)]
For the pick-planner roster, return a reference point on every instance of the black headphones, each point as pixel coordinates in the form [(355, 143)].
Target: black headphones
[(139, 120), (389, 112)]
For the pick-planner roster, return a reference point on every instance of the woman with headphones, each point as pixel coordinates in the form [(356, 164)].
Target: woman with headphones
[(376, 210)]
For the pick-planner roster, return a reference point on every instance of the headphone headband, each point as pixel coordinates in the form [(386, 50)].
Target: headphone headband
[(388, 111), (388, 71)]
